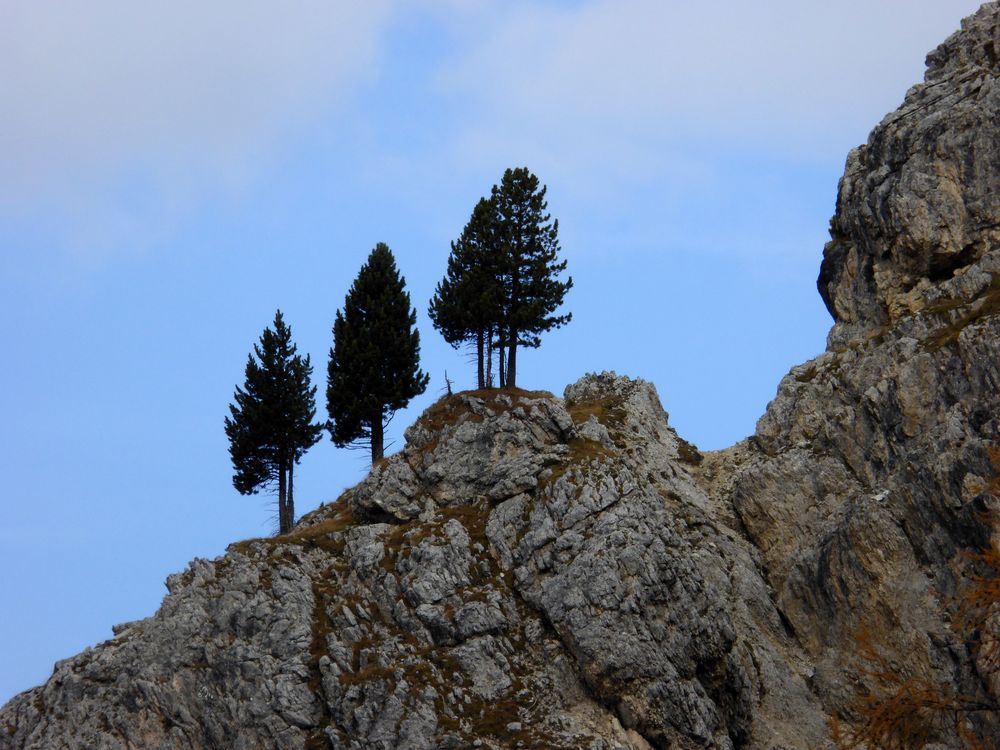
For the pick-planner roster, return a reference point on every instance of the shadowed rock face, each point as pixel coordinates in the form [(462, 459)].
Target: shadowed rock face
[(569, 573)]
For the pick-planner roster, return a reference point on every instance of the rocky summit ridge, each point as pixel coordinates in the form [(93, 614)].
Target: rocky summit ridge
[(533, 571)]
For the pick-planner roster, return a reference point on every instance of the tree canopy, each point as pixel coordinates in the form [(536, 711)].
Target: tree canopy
[(502, 286), (374, 366), (467, 304), (270, 426), (529, 242)]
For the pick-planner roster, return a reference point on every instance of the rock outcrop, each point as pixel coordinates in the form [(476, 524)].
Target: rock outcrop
[(533, 571), (527, 569), (918, 204)]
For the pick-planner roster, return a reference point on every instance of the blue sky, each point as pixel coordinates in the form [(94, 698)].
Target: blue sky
[(171, 173)]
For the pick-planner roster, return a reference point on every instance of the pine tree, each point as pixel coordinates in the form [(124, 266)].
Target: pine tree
[(529, 243), (374, 363), (270, 426), (466, 304)]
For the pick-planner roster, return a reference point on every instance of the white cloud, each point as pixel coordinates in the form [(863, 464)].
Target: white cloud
[(643, 113), (787, 74), (177, 96), (119, 117)]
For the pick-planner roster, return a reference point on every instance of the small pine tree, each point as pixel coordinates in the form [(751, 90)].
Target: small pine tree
[(374, 363), (466, 307), (529, 242), (270, 426)]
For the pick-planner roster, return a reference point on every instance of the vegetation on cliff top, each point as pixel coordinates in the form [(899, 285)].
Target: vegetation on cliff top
[(270, 426)]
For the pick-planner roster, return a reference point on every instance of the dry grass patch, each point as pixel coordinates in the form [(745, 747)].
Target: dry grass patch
[(687, 452), (609, 411), (450, 409), (404, 537), (472, 517), (318, 535), (582, 453)]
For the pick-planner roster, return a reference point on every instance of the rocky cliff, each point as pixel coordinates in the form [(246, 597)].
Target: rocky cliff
[(533, 571)]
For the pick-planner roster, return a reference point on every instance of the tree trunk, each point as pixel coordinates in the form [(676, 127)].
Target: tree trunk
[(514, 317), (501, 371), (480, 375), (512, 361), (377, 437), (290, 500), (489, 357), (282, 513)]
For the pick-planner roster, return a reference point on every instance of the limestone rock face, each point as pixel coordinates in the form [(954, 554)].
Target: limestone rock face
[(863, 485), (918, 203), (528, 569), (534, 571)]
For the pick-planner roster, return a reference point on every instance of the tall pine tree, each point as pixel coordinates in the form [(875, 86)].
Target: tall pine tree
[(528, 239), (374, 363), (270, 426), (502, 286), (466, 307)]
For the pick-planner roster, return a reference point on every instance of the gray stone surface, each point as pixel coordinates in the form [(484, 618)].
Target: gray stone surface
[(593, 602), (918, 202), (569, 573)]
